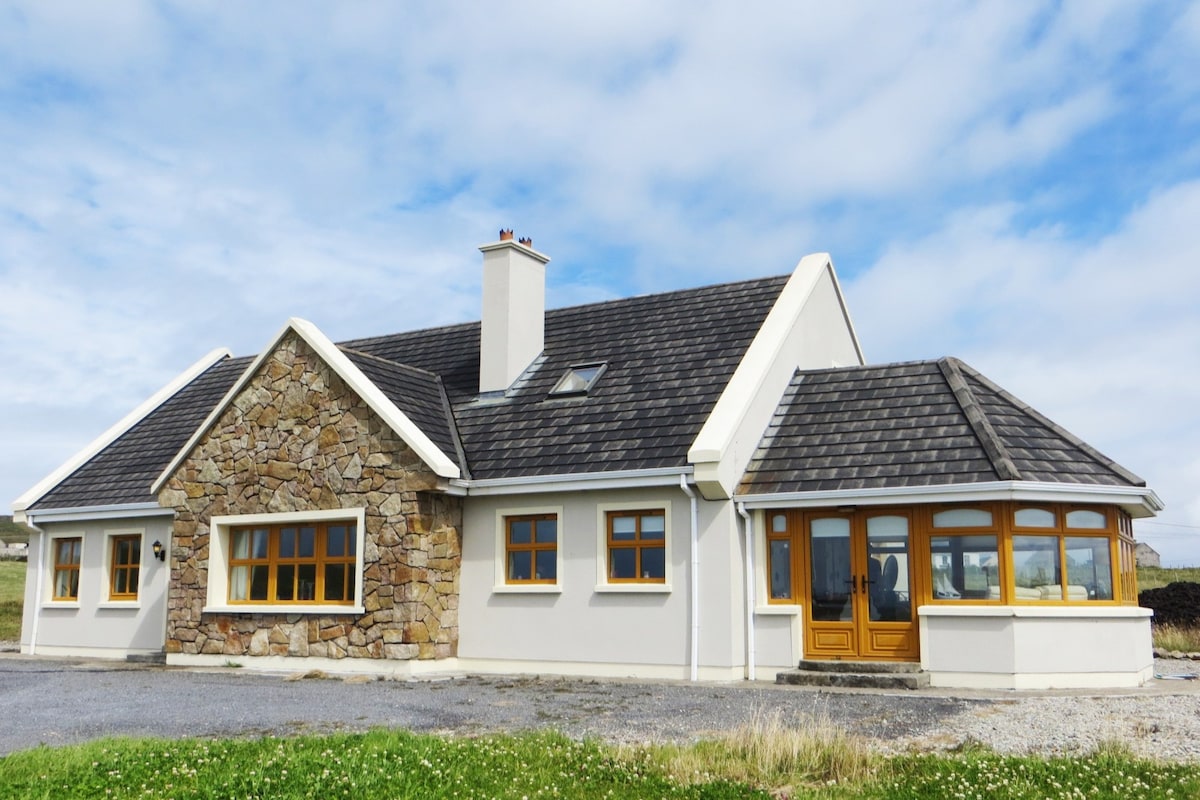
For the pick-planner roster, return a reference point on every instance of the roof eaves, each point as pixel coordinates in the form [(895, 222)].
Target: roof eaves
[(1002, 463), (116, 431)]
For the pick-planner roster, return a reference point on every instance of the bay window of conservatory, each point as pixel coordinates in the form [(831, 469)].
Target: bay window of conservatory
[(1062, 554), (964, 551)]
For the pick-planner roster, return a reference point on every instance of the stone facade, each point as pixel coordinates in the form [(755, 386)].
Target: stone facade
[(298, 438)]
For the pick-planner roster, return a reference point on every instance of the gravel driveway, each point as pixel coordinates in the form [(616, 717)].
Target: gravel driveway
[(54, 702)]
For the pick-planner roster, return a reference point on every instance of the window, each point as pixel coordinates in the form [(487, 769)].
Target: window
[(579, 379), (67, 551), (124, 566), (531, 549), (1066, 565), (297, 563), (964, 555), (637, 543), (779, 559)]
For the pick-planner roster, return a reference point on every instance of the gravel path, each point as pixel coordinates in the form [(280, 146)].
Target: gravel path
[(54, 702)]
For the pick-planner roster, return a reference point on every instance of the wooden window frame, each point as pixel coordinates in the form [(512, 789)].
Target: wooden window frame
[(130, 569), (68, 567), (533, 547), (637, 544), (1059, 530), (790, 535), (273, 561)]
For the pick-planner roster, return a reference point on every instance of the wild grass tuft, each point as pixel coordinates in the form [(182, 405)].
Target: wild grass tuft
[(771, 751), (12, 591), (1183, 638)]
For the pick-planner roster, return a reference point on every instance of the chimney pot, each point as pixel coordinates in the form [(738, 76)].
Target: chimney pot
[(506, 234), (525, 240)]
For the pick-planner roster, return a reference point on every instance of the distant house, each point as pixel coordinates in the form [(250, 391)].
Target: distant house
[(1146, 555), (708, 483)]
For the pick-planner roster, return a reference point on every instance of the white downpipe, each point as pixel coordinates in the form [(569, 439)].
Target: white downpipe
[(694, 579), (748, 532), (43, 538)]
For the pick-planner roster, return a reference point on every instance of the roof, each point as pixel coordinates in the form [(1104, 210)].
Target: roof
[(906, 425), (664, 374), (123, 471)]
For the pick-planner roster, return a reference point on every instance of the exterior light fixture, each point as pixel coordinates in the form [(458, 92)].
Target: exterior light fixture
[(159, 551)]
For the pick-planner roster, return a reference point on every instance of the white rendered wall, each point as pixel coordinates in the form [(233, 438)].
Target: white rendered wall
[(584, 627), (1020, 647), (95, 626)]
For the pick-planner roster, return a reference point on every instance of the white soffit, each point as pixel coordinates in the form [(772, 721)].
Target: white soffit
[(128, 421), (396, 419)]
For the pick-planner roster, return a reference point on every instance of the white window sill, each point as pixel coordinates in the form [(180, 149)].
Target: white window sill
[(527, 588), (281, 608), (633, 588), (61, 604), (780, 610), (121, 604)]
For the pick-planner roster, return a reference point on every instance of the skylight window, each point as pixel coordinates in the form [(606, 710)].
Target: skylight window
[(579, 379)]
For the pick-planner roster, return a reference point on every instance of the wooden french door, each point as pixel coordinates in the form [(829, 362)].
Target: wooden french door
[(858, 573)]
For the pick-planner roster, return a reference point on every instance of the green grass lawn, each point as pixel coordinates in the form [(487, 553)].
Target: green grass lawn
[(389, 764), (12, 592), (1155, 577)]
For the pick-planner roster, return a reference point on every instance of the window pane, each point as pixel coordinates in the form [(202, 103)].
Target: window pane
[(781, 569), (123, 547), (962, 518), (1086, 519), (241, 544), (351, 540), (1089, 568), (1034, 518), (335, 541), (519, 565), (547, 530), (133, 573), (260, 540), (1036, 568), (520, 531), (654, 527), (622, 562), (287, 543), (135, 551), (66, 583), (120, 582), (779, 523), (258, 582), (308, 543), (306, 582), (238, 578), (335, 582), (965, 567), (654, 563), (285, 582), (547, 565), (624, 528)]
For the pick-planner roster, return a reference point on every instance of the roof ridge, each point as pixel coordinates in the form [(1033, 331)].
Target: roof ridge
[(1025, 408), (993, 446)]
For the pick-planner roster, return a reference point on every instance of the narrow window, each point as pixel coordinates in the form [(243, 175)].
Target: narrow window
[(637, 551), (66, 567), (531, 549), (779, 560), (125, 562)]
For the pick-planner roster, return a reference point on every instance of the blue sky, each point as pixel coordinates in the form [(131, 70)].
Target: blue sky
[(1015, 184)]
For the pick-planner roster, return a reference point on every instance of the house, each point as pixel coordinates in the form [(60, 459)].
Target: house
[(1146, 556), (707, 484)]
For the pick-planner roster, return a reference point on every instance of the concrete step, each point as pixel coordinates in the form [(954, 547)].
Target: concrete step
[(856, 675)]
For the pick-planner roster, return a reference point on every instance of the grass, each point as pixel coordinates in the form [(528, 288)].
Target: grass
[(1183, 638), (754, 762), (1157, 577), (12, 593)]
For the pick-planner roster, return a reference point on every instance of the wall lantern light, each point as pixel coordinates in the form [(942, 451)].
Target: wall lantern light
[(159, 551)]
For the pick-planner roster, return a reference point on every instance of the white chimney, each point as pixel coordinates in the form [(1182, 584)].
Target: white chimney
[(513, 327)]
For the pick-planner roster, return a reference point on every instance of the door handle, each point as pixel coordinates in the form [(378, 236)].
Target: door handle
[(853, 584)]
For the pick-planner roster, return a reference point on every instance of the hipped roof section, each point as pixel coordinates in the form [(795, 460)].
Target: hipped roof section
[(346, 368), (916, 424)]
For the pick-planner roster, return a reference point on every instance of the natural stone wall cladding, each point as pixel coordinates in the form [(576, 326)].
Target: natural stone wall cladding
[(297, 438)]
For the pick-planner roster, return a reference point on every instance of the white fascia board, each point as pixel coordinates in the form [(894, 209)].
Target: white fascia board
[(762, 371), (91, 513), (355, 379), (109, 436), (527, 484), (1138, 501)]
